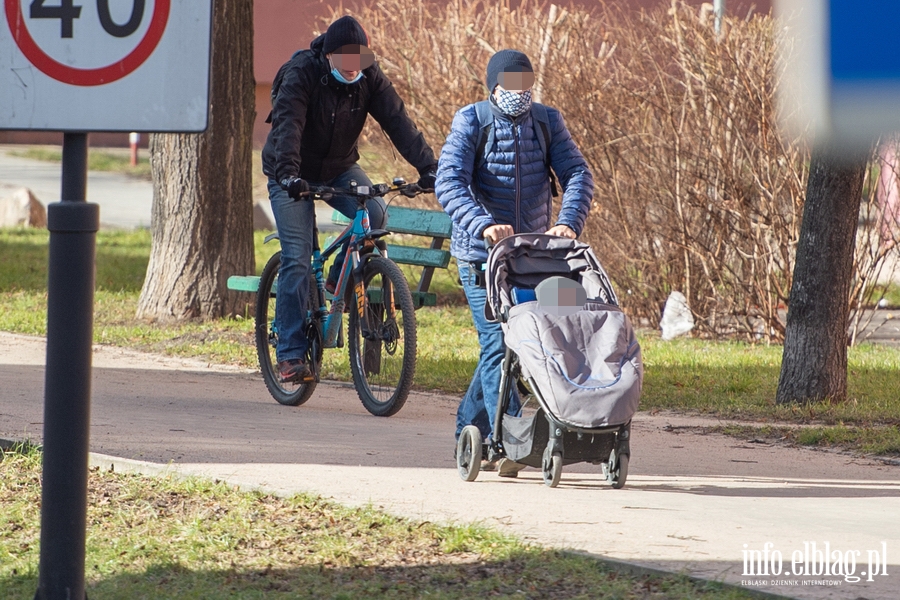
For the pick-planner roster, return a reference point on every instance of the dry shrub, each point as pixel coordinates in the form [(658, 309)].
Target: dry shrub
[(696, 191)]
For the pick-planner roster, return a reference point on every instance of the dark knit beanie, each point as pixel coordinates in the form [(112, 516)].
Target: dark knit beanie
[(345, 30), (506, 61)]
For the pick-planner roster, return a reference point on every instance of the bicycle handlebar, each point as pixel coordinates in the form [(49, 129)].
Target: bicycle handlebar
[(409, 190)]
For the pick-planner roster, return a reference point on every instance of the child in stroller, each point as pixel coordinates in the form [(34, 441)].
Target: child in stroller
[(570, 348)]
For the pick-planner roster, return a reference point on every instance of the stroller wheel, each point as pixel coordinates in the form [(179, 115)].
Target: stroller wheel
[(551, 468), (468, 453), (617, 470)]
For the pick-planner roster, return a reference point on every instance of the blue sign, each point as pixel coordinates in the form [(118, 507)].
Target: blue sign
[(841, 82), (864, 40)]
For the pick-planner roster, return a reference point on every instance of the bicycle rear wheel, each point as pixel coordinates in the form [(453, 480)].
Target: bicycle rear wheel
[(383, 360), (287, 393)]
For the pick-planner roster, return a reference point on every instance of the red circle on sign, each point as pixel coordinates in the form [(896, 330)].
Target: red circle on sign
[(87, 77)]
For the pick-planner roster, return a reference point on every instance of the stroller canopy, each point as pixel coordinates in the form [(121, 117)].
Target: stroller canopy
[(525, 260)]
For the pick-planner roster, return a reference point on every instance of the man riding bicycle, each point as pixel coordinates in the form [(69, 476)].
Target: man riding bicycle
[(323, 97)]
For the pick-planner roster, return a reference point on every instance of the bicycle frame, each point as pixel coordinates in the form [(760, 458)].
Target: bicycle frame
[(359, 234)]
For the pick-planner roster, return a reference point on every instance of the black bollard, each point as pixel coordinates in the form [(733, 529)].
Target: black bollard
[(73, 225)]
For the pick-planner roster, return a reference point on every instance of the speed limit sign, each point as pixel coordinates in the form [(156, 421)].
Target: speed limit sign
[(105, 65)]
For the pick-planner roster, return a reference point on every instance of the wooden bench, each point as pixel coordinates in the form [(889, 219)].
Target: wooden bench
[(432, 224)]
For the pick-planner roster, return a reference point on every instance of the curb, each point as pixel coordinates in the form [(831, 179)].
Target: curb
[(127, 465), (633, 569)]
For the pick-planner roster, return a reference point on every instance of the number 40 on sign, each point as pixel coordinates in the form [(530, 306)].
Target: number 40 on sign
[(67, 12)]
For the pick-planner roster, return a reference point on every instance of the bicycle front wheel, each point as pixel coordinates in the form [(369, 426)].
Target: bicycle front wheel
[(287, 393), (383, 345)]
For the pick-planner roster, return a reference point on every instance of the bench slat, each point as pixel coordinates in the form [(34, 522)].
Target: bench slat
[(243, 283), (423, 257), (415, 221), (338, 218), (247, 283), (420, 299)]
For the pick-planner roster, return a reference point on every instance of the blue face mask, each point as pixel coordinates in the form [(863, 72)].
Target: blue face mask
[(337, 75)]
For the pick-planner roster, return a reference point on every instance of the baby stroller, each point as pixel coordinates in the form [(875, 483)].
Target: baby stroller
[(570, 349)]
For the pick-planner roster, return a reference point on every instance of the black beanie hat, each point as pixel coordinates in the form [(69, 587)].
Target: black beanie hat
[(345, 30), (502, 61)]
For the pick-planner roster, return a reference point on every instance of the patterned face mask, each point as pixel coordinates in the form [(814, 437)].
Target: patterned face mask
[(513, 104)]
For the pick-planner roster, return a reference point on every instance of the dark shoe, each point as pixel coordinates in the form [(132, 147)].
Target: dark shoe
[(294, 370), (331, 279), (509, 468)]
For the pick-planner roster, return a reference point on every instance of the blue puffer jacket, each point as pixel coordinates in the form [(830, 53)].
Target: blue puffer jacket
[(512, 187)]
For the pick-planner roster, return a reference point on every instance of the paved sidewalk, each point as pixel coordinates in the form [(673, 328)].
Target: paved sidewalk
[(693, 502)]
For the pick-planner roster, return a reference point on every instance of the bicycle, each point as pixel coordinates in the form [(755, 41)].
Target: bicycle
[(382, 335)]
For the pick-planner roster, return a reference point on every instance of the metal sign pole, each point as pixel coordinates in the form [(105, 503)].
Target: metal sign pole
[(719, 10), (73, 225)]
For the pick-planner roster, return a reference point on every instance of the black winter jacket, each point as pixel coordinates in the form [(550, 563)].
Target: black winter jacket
[(317, 121)]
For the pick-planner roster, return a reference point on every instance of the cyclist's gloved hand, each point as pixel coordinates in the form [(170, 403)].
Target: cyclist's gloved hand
[(427, 180), (294, 186)]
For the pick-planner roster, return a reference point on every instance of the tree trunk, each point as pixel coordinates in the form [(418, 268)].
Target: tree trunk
[(814, 363), (202, 219)]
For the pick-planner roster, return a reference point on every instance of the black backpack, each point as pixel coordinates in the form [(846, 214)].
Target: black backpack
[(279, 77)]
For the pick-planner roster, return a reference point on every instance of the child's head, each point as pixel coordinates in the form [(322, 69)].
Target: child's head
[(560, 296)]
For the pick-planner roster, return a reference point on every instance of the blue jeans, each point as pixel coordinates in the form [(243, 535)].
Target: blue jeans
[(294, 220), (479, 405)]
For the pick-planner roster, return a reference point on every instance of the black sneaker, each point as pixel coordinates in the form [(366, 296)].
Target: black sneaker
[(293, 370)]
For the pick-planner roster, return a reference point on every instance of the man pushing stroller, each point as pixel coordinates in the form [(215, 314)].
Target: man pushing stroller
[(495, 178)]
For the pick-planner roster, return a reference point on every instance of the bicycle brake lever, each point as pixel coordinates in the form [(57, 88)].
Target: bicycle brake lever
[(411, 190), (320, 192)]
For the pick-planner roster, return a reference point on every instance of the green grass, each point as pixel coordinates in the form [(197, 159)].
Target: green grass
[(106, 159), (191, 538), (726, 379), (739, 380)]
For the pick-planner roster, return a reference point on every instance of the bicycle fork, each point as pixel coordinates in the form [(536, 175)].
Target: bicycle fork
[(335, 318)]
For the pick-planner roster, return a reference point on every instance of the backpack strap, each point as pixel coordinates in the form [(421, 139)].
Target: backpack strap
[(539, 114), (485, 130)]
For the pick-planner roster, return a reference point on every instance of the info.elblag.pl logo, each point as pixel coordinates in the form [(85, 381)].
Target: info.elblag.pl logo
[(813, 560)]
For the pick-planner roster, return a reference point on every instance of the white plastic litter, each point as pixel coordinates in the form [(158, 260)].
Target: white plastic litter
[(677, 318)]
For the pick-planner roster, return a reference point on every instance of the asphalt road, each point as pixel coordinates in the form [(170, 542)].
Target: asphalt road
[(125, 202)]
